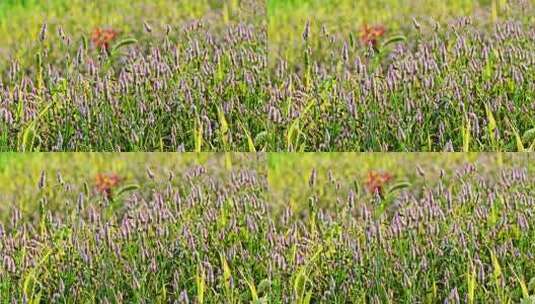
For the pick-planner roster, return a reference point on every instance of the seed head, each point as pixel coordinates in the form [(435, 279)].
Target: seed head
[(306, 32), (416, 24), (42, 180), (150, 174), (312, 178), (147, 27), (43, 32)]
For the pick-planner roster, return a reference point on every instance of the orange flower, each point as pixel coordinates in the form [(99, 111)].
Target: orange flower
[(101, 38), (104, 183), (376, 180), (371, 35)]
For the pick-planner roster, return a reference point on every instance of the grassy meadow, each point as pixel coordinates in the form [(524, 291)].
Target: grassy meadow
[(266, 77), (19, 171), (267, 228), (20, 21), (131, 76), (408, 228), (389, 75), (344, 17), (250, 75)]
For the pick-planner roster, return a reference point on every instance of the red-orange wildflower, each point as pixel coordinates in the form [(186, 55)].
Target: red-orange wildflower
[(102, 38), (104, 183), (376, 181), (371, 35)]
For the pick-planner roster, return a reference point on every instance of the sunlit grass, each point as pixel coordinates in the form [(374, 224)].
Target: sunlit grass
[(290, 172), (286, 18), (190, 228), (202, 58), (20, 21), (430, 78)]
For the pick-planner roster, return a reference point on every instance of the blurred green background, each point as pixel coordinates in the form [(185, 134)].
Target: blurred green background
[(287, 18), (21, 20), (289, 173), (20, 172)]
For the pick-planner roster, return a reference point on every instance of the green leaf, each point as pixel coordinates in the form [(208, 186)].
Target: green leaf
[(198, 135), (264, 286), (466, 129), (492, 123), (294, 129), (127, 188), (223, 126), (356, 187), (86, 189), (252, 288), (529, 136), (123, 43), (531, 284), (394, 39), (518, 139), (250, 142), (201, 285), (28, 138), (497, 269), (471, 282), (399, 186), (84, 42)]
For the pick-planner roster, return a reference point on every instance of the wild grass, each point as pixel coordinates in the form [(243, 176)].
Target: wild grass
[(286, 18), (448, 75), (428, 235), (179, 76), (196, 76), (186, 228), (20, 21), (56, 218)]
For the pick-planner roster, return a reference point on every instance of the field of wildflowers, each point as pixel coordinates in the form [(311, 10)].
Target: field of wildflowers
[(250, 75), (411, 75), (111, 76), (226, 77), (275, 228)]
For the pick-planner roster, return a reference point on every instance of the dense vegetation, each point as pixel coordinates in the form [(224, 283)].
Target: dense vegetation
[(274, 75), (402, 75), (227, 228), (172, 76), (335, 75)]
